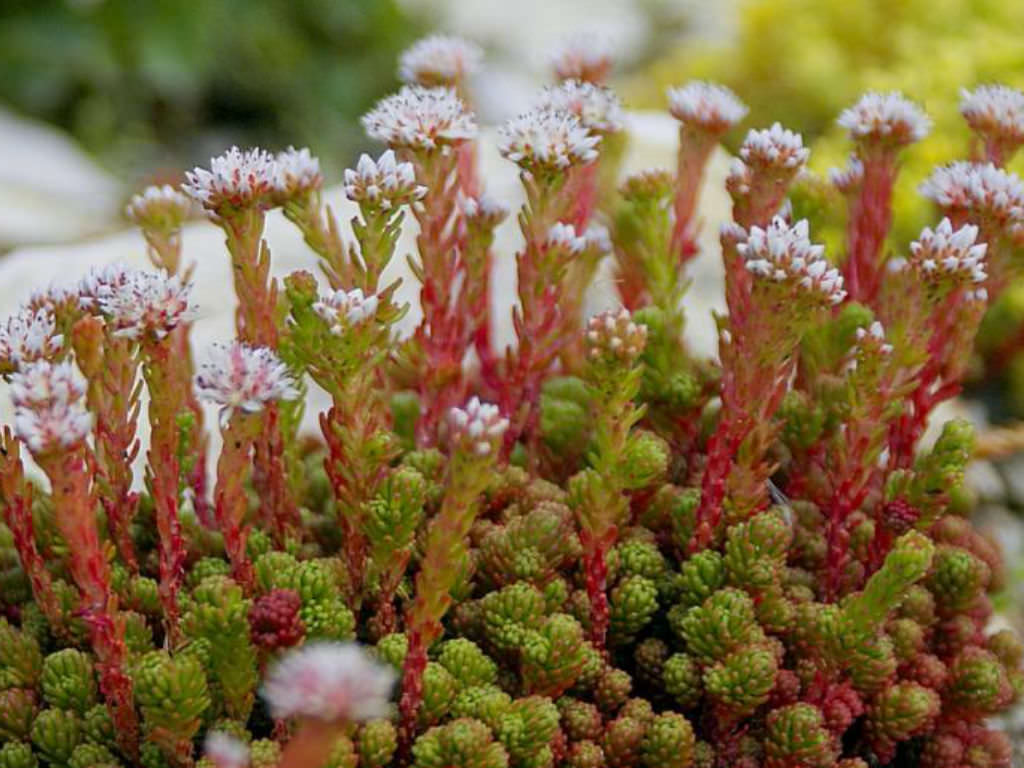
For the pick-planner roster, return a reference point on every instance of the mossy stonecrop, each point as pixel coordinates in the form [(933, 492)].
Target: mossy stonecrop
[(633, 558)]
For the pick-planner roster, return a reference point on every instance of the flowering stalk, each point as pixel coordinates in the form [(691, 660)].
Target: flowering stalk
[(614, 344), (52, 422), (111, 367), (428, 125), (236, 192), (476, 434), (242, 380), (341, 340), (545, 144), (160, 212), (482, 216), (705, 113), (791, 289), (880, 124)]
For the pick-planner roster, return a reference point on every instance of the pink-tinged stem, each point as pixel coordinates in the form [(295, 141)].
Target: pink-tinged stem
[(695, 149), (595, 567), (721, 451), (230, 503), (413, 669), (74, 505), (870, 219), (17, 507)]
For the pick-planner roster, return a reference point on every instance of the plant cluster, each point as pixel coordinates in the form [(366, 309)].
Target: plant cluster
[(588, 549)]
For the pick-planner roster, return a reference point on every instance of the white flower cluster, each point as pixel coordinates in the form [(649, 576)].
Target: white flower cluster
[(774, 148), (706, 106), (487, 211), (236, 375), (870, 343), (235, 179), (995, 111), (595, 106), (162, 208), (848, 179), (29, 335), (563, 237), (439, 60), (784, 253), (981, 189), (479, 427), (546, 139), (584, 56), (420, 118), (296, 171), (943, 253), (614, 335), (331, 682), (386, 183), (137, 302), (48, 407), (344, 309), (225, 751), (885, 117)]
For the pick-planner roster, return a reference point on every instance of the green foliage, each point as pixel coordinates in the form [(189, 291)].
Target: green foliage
[(68, 681), (464, 742)]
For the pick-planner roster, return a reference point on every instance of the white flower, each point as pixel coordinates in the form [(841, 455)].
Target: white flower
[(598, 238), (584, 56), (485, 211), (239, 376), (386, 182), (848, 179), (161, 208), (235, 179), (48, 407), (563, 237), (29, 335), (439, 60), (886, 117), (985, 191), (547, 139), (297, 171), (874, 335), (774, 147), (595, 106), (614, 335), (225, 751), (782, 253), (333, 682), (479, 427), (706, 106), (995, 111), (137, 302), (343, 309), (943, 253), (420, 118)]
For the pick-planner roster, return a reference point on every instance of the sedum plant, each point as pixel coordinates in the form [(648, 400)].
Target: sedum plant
[(591, 548)]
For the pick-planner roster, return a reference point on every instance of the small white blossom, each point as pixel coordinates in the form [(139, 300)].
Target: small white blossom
[(983, 190), (225, 751), (706, 106), (995, 111), (344, 309), (29, 335), (598, 239), (563, 236), (48, 407), (161, 208), (584, 56), (137, 302), (783, 253), (944, 253), (297, 172), (614, 335), (479, 427), (848, 179), (439, 60), (870, 344), (235, 179), (595, 106), (386, 183), (332, 682), (548, 140), (239, 376), (774, 148), (886, 117), (420, 118), (485, 211)]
